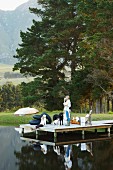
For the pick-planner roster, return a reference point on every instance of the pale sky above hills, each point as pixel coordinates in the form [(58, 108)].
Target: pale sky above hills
[(10, 4)]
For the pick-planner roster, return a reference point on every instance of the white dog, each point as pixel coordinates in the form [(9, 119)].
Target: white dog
[(43, 120), (56, 122)]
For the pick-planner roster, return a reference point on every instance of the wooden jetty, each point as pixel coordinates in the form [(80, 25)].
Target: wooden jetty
[(72, 128), (55, 129)]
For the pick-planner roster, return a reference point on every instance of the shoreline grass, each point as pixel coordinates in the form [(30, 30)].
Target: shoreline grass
[(9, 119)]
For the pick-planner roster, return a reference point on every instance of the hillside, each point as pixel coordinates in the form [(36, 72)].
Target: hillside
[(5, 68), (11, 22), (8, 68)]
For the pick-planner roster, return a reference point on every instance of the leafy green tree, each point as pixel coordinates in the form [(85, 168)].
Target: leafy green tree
[(49, 46), (96, 46), (96, 49), (10, 97), (74, 34)]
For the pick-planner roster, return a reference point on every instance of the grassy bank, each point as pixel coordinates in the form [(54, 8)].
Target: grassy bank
[(11, 120)]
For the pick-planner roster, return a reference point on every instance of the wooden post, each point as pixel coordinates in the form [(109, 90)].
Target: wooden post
[(96, 131), (108, 132), (37, 133), (83, 134), (55, 136)]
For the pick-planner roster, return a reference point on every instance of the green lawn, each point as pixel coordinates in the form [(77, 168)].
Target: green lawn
[(8, 118)]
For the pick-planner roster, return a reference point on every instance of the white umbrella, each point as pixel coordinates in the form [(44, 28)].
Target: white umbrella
[(26, 111)]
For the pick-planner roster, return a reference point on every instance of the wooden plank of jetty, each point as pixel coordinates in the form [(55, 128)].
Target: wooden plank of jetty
[(72, 128)]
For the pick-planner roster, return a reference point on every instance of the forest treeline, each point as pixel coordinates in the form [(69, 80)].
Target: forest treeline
[(10, 97), (69, 51), (13, 97)]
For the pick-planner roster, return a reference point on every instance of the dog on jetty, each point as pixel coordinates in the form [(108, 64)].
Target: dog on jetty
[(58, 119), (43, 120), (61, 118)]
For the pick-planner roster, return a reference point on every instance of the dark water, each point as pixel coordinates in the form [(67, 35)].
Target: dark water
[(16, 154)]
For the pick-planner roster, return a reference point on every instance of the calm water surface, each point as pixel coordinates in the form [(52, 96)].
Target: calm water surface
[(16, 154)]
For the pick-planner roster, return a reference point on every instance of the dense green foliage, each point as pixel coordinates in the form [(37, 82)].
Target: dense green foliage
[(10, 97), (69, 51)]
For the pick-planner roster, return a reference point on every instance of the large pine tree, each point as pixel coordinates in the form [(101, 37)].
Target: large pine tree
[(72, 33), (49, 46)]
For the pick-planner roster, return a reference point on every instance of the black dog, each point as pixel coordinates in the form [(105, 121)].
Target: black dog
[(56, 116), (61, 118)]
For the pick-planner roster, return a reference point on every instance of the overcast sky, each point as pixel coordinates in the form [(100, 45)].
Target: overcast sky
[(10, 4)]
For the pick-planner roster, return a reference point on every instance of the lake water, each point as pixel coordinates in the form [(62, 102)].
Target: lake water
[(16, 154)]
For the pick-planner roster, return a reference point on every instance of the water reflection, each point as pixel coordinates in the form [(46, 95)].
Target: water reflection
[(80, 156), (9, 143), (67, 156), (20, 154)]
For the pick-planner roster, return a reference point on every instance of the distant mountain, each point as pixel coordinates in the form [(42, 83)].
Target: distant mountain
[(11, 22)]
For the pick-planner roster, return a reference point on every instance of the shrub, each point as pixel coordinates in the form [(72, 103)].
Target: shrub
[(110, 112)]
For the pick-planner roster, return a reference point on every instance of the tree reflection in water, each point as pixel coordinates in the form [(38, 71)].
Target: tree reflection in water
[(83, 156), (17, 154)]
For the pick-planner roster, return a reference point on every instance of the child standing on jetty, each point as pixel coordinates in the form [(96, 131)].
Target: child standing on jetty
[(67, 105)]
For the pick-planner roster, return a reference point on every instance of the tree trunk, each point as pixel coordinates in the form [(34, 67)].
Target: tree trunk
[(105, 104), (97, 106), (112, 105), (101, 108), (108, 105)]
